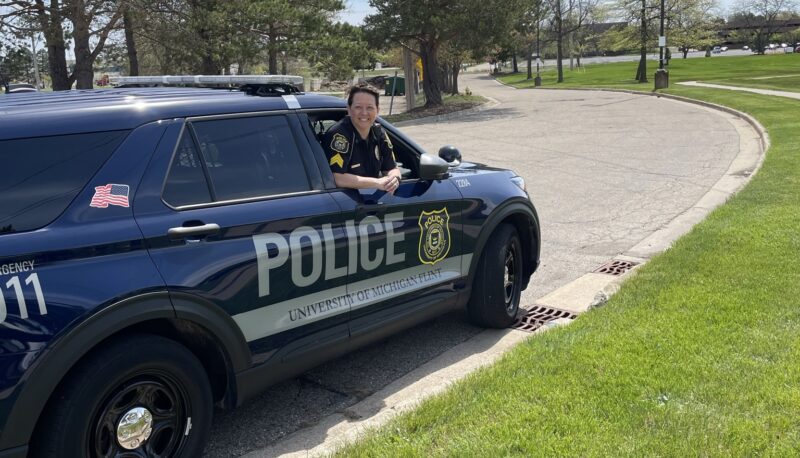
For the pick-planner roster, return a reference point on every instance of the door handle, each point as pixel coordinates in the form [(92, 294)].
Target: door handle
[(190, 232), (370, 208)]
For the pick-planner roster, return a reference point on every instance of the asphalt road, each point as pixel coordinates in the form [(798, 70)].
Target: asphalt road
[(604, 170)]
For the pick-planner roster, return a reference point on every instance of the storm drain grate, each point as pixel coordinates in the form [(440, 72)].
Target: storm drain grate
[(615, 267), (533, 318)]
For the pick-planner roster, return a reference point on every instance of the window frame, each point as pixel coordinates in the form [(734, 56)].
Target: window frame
[(315, 188)]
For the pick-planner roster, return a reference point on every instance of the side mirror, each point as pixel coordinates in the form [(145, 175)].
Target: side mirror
[(451, 154), (432, 168)]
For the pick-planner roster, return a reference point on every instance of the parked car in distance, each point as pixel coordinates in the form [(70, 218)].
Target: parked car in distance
[(716, 49), (723, 49), (746, 48), (14, 88)]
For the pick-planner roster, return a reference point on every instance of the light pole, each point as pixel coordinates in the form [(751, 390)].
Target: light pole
[(538, 80), (662, 75)]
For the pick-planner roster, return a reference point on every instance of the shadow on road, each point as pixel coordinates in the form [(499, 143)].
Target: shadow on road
[(333, 387)]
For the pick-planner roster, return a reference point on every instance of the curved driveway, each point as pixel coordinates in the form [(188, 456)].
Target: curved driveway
[(604, 169)]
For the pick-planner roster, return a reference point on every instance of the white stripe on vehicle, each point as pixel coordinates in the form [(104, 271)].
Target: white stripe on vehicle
[(282, 316), (291, 102)]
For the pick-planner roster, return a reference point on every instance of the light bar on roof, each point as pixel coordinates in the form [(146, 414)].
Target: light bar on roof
[(204, 80)]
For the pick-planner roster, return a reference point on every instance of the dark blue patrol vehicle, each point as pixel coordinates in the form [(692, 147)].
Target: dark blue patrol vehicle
[(163, 250)]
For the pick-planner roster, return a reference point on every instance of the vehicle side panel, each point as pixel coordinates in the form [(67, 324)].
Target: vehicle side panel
[(53, 278)]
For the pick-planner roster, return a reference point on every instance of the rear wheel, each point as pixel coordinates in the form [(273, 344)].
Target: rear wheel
[(497, 286), (144, 396)]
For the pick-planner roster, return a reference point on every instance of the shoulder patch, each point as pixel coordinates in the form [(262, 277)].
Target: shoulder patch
[(340, 144)]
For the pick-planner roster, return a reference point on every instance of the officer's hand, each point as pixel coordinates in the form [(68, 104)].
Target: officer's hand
[(388, 184)]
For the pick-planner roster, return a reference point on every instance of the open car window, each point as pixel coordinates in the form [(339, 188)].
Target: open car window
[(406, 155)]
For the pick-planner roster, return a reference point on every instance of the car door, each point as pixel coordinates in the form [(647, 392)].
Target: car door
[(242, 223), (410, 255)]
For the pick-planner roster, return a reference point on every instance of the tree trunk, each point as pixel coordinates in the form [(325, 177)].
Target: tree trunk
[(429, 52), (56, 48), (514, 61), (571, 51), (456, 69), (685, 52), (84, 72), (444, 83), (559, 48), (207, 65), (272, 50), (530, 62), (130, 44), (641, 71)]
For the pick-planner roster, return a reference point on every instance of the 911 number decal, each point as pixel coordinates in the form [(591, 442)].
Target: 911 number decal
[(14, 284)]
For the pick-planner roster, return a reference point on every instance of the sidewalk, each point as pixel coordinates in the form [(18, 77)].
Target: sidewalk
[(791, 95)]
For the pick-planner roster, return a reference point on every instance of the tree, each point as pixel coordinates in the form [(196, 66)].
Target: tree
[(88, 22), (526, 29), (208, 36), (692, 25), (288, 26), (424, 27), (15, 63), (567, 16), (644, 13), (761, 19), (91, 20), (338, 51), (129, 19)]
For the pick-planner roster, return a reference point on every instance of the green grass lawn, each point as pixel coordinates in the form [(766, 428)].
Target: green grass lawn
[(697, 355), (734, 70)]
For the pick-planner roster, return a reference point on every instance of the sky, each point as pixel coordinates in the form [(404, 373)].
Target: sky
[(355, 11)]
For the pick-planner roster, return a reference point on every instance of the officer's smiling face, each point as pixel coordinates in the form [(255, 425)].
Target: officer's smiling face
[(363, 112)]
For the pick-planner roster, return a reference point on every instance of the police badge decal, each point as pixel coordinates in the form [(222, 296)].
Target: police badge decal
[(434, 239)]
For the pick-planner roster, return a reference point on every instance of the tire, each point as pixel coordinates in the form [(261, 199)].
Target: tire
[(497, 286), (137, 372)]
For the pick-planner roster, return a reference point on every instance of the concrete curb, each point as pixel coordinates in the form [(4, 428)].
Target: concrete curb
[(589, 291)]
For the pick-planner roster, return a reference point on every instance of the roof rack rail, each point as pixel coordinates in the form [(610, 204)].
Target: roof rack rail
[(262, 85)]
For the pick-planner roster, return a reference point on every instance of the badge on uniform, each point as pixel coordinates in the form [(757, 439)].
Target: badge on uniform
[(434, 239), (340, 144)]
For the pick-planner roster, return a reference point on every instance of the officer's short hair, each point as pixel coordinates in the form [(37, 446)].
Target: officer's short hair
[(362, 87)]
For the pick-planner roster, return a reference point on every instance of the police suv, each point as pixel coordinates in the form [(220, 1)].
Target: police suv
[(166, 249)]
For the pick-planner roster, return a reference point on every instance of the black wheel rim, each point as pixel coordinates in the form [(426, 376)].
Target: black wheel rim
[(162, 397), (511, 278)]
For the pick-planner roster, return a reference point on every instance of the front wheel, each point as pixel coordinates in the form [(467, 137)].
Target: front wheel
[(143, 396), (497, 287)]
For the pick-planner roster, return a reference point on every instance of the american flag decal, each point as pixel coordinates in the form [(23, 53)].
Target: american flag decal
[(110, 194)]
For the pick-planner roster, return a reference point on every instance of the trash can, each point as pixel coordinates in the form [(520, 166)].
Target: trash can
[(396, 82)]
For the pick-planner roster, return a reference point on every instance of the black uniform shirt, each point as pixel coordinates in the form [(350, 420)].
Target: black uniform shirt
[(347, 152)]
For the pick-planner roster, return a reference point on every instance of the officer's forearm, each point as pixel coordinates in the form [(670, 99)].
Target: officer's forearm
[(349, 180)]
